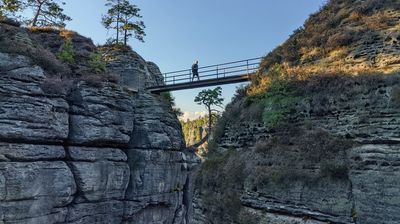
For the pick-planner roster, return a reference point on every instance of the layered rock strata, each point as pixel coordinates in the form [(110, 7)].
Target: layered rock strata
[(99, 154), (312, 176)]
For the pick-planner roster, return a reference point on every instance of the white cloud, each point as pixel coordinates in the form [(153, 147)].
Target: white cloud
[(187, 115)]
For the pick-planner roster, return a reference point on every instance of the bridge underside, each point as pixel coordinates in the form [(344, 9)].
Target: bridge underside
[(201, 83)]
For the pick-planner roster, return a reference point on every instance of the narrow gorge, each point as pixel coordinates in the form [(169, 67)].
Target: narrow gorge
[(312, 138)]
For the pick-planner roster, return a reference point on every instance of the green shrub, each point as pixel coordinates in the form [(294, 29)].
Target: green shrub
[(218, 133), (67, 52), (220, 180), (279, 102), (96, 63)]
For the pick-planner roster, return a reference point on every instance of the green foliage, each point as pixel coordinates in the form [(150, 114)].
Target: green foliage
[(67, 52), (223, 173), (210, 98), (47, 13), (121, 17), (96, 63), (192, 130), (168, 98), (279, 103), (294, 150), (218, 133), (279, 99), (9, 7)]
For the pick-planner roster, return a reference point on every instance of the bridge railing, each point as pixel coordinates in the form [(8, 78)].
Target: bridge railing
[(224, 70)]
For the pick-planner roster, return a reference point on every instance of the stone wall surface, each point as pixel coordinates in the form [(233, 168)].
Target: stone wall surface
[(367, 192), (99, 154)]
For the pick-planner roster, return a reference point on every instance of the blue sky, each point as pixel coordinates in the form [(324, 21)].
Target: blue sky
[(212, 31)]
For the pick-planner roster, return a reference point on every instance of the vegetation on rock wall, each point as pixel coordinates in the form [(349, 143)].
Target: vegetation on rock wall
[(168, 98), (344, 47), (278, 162), (96, 63), (332, 40), (195, 130), (67, 52), (18, 41)]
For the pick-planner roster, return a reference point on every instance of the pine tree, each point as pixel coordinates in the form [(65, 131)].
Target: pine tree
[(210, 98), (9, 7), (121, 16), (47, 13), (67, 52)]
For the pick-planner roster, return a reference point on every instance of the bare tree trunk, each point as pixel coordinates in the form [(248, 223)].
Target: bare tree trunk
[(39, 9), (125, 37), (118, 27), (209, 119)]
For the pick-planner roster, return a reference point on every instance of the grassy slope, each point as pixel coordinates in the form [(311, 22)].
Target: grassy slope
[(346, 36)]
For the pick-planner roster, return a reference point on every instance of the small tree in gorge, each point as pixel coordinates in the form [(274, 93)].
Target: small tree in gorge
[(210, 98), (121, 17), (47, 13)]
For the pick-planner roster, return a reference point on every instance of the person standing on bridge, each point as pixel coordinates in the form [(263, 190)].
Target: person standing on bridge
[(195, 71)]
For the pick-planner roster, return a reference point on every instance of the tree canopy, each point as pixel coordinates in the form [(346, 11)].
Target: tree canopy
[(47, 13), (9, 7), (122, 17), (210, 98)]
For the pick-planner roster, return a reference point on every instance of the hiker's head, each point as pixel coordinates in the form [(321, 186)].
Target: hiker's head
[(196, 62)]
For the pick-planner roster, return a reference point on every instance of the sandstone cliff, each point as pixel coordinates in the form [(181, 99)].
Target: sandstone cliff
[(79, 149), (315, 138), (336, 162)]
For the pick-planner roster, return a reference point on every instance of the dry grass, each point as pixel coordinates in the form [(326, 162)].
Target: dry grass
[(43, 29), (377, 21), (67, 34), (340, 39)]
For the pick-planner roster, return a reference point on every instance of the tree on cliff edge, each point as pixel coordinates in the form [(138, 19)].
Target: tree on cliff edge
[(9, 7), (47, 13), (210, 98), (121, 17)]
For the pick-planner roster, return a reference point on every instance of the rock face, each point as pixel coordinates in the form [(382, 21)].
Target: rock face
[(24, 106), (99, 154), (341, 167)]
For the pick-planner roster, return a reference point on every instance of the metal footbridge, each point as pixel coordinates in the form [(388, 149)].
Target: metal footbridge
[(226, 73)]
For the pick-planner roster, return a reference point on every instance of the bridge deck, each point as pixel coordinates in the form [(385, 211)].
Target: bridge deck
[(221, 74), (201, 83)]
